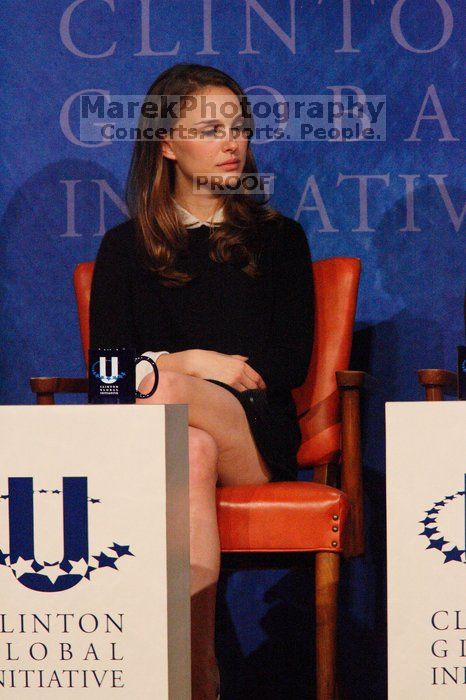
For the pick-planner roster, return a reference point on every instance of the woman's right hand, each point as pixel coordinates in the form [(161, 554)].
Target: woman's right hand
[(229, 369)]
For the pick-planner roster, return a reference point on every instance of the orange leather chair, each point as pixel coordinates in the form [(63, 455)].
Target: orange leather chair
[(282, 523)]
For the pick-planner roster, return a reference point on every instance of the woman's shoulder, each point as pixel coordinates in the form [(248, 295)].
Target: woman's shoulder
[(283, 231), (289, 225), (119, 241), (124, 233), (288, 245)]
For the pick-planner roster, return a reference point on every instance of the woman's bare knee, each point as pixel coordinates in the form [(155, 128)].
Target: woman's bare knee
[(203, 457), (169, 388)]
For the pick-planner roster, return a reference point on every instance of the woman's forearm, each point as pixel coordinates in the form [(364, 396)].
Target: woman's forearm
[(177, 362)]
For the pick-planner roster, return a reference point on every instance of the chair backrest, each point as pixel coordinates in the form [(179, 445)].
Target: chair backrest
[(336, 282)]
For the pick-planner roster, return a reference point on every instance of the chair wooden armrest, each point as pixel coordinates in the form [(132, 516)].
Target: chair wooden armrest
[(350, 384), (354, 379), (45, 388), (438, 382)]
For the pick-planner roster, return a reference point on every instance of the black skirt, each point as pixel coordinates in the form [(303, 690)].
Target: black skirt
[(275, 430)]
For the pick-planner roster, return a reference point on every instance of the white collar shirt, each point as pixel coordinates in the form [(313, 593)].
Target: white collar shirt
[(191, 221)]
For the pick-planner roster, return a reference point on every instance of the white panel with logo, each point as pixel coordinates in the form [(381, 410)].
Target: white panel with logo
[(94, 552), (426, 472)]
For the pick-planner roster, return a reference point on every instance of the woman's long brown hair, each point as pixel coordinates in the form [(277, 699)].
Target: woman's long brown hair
[(150, 184)]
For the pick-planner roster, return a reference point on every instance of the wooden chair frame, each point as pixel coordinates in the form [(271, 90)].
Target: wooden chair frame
[(438, 382)]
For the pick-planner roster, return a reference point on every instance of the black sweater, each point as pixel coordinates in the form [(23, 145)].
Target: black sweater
[(269, 320)]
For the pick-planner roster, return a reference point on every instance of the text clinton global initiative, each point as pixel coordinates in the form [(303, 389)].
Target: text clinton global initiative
[(35, 660)]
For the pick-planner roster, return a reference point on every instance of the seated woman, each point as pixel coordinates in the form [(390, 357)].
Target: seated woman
[(217, 286)]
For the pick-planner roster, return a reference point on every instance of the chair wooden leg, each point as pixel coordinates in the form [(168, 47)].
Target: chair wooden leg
[(327, 569)]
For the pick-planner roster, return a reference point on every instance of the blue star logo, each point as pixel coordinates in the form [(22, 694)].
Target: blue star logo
[(3, 558), (454, 554), (54, 572), (104, 560), (429, 531), (439, 543), (121, 549)]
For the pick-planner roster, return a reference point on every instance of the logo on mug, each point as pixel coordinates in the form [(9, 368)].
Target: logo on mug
[(99, 370), (112, 375), (76, 562)]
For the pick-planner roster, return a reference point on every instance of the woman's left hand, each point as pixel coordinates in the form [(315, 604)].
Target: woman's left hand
[(230, 369)]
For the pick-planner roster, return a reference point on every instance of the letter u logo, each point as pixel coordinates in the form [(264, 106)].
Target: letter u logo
[(28, 571), (113, 376)]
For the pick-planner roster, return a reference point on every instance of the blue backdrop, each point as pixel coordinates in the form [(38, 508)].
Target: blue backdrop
[(59, 196)]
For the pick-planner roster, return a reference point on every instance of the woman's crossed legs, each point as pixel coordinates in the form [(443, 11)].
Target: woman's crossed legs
[(222, 452)]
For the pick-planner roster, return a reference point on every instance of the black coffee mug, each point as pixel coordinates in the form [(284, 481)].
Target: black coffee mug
[(112, 375)]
